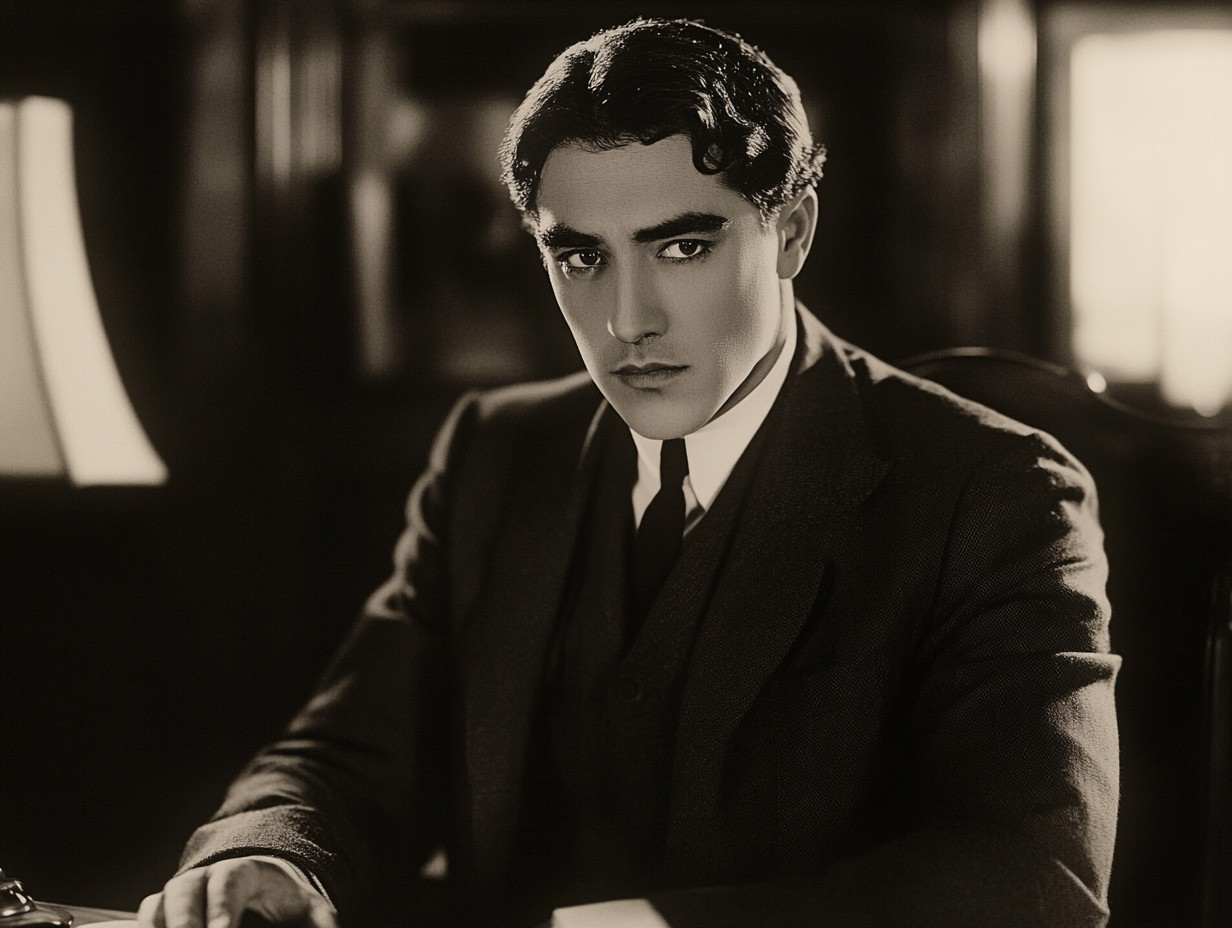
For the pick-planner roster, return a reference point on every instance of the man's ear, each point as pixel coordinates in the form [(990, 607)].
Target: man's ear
[(796, 224)]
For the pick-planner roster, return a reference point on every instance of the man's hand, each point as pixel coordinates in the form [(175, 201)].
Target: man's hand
[(216, 896)]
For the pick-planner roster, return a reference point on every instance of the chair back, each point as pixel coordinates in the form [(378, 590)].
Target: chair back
[(1165, 490)]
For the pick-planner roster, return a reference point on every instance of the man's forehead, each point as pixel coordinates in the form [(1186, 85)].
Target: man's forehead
[(620, 191)]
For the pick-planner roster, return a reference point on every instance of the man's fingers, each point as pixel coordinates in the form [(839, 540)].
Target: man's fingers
[(231, 886), (184, 900), (216, 896), (265, 887), (150, 912), (322, 915)]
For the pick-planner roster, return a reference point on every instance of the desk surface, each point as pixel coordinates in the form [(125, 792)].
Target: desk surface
[(83, 915)]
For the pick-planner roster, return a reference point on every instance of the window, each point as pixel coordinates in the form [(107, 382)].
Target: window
[(1142, 185)]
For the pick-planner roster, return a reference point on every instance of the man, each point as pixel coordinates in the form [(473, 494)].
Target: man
[(838, 657)]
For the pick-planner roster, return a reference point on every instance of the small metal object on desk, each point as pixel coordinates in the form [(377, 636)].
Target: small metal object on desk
[(19, 910)]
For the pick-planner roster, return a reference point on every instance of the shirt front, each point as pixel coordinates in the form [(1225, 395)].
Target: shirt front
[(714, 449)]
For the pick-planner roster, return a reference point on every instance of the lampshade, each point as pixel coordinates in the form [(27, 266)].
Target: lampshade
[(63, 408)]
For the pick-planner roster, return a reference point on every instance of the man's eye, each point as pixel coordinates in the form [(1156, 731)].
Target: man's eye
[(581, 260), (684, 249)]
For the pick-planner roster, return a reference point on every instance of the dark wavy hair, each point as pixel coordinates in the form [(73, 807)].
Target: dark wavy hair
[(653, 78)]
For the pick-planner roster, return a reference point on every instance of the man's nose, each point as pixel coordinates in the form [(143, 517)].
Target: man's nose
[(636, 312)]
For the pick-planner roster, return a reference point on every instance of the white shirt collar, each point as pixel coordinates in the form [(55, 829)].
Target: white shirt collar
[(715, 448)]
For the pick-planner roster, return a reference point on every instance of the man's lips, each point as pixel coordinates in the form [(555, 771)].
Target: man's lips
[(648, 375)]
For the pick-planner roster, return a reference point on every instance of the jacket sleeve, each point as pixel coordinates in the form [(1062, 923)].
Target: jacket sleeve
[(359, 772), (1013, 735)]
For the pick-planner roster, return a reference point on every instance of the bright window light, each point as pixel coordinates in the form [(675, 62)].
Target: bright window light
[(1151, 234)]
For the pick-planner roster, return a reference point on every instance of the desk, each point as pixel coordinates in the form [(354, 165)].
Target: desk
[(86, 916)]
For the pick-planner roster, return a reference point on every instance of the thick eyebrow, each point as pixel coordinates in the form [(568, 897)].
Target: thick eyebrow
[(684, 224), (560, 235)]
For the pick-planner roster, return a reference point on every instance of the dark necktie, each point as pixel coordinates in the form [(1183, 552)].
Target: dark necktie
[(661, 532)]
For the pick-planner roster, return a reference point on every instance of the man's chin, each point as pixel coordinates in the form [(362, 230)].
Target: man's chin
[(658, 420)]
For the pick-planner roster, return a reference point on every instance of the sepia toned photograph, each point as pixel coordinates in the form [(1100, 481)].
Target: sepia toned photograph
[(535, 464)]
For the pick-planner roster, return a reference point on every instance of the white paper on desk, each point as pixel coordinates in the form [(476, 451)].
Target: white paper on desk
[(621, 913)]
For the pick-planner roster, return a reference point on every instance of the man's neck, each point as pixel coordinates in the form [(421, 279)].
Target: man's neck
[(714, 448)]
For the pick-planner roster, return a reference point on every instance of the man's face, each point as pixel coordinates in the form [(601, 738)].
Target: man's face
[(667, 279)]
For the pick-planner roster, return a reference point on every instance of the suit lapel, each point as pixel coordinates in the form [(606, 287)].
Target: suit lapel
[(816, 467), (507, 642)]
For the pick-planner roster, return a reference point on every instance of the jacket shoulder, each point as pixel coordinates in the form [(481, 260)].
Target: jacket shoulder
[(537, 404), (490, 430), (911, 417)]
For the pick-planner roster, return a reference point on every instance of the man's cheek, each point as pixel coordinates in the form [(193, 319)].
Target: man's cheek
[(589, 332)]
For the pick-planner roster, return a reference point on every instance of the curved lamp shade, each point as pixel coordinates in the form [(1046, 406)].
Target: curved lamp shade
[(63, 408)]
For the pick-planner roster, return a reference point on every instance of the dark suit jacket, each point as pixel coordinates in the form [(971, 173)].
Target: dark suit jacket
[(898, 708)]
